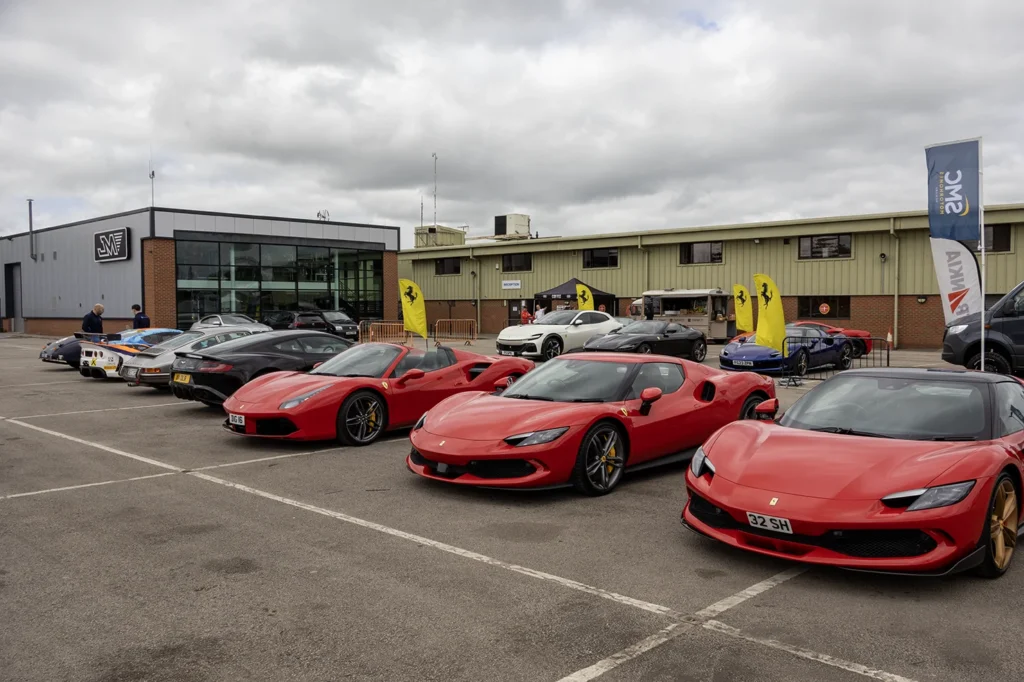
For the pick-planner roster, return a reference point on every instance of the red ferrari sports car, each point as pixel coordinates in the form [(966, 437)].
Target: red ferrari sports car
[(359, 394), (861, 339), (581, 420), (897, 470)]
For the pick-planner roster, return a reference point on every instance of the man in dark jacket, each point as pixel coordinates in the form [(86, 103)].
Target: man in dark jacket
[(141, 320), (93, 320)]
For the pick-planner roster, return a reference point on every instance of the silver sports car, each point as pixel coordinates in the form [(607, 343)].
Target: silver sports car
[(152, 367), (229, 320)]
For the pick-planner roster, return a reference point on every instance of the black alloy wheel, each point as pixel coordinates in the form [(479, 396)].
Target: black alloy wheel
[(552, 347), (859, 349), (600, 461), (801, 362), (362, 418), (846, 357), (749, 407), (994, 362), (644, 348), (699, 351)]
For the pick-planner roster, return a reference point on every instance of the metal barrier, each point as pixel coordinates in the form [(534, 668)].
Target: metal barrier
[(447, 331), (364, 330), (387, 332), (817, 359)]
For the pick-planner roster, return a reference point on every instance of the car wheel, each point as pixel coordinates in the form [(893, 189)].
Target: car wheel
[(858, 349), (600, 461), (362, 418), (999, 533), (749, 405), (644, 348), (552, 347), (699, 351), (994, 362), (73, 365), (800, 363), (846, 357)]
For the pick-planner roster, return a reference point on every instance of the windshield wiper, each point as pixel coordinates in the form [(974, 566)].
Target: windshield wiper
[(953, 438), (585, 400), (849, 432), (523, 396), (350, 376)]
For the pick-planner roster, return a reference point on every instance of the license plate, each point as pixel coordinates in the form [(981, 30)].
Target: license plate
[(236, 419), (743, 363), (182, 378), (769, 523), (506, 352), (131, 372)]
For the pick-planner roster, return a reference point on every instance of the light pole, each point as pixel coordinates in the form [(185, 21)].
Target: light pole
[(435, 188)]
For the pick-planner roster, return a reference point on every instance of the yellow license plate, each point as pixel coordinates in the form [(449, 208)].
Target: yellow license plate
[(182, 378)]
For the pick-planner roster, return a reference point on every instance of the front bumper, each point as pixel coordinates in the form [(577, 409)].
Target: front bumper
[(773, 366), (954, 349), (519, 348), (852, 534)]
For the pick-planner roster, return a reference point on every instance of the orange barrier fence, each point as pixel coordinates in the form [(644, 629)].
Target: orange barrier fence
[(386, 332), (364, 331), (447, 331)]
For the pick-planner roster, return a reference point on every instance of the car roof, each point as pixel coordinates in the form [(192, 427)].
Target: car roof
[(630, 358), (932, 374)]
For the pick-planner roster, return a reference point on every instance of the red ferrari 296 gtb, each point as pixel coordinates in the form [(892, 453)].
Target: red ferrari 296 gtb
[(898, 470), (359, 394), (581, 420)]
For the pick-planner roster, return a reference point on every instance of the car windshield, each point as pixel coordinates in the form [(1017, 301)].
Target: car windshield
[(559, 317), (573, 381), (174, 342), (367, 360), (337, 317), (644, 327), (888, 407), (236, 319)]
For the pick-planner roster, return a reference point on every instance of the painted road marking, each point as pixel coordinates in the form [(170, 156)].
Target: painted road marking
[(628, 654), (42, 383), (85, 485), (98, 446), (105, 409), (265, 459), (724, 605)]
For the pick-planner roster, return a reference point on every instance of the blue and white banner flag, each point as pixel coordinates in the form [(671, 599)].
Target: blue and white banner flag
[(954, 190)]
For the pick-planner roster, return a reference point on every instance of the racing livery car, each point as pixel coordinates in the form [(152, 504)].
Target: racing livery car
[(361, 393), (901, 470), (65, 351), (103, 354), (653, 336), (581, 420), (807, 349)]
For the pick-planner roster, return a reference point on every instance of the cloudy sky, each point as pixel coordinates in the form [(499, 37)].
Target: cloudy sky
[(589, 115)]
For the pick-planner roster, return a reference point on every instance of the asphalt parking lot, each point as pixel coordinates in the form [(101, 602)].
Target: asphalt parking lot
[(140, 541)]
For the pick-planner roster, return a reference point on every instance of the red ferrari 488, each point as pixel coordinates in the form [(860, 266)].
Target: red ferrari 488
[(898, 470), (359, 394), (581, 420)]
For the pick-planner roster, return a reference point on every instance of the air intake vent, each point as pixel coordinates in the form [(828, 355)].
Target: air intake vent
[(707, 392)]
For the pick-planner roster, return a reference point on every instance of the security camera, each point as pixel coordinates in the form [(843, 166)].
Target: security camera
[(882, 257)]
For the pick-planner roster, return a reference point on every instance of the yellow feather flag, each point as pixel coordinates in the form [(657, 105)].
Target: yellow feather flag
[(414, 310), (744, 308), (771, 320), (584, 297)]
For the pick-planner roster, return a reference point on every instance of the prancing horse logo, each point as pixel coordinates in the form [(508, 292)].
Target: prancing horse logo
[(742, 297), (584, 297), (765, 295), (410, 294), (774, 502)]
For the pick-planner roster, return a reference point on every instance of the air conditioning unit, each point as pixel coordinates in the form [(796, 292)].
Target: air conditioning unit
[(512, 225)]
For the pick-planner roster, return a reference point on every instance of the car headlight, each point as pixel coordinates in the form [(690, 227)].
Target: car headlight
[(534, 337), (700, 464), (930, 498), (536, 437), (299, 399), (420, 423), (957, 328), (725, 353)]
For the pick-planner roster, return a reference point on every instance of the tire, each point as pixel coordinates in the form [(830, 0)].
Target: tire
[(999, 533), (801, 361), (699, 350), (644, 348), (846, 357), (73, 365), (747, 411), (552, 347), (596, 471), (362, 419), (994, 362), (859, 349)]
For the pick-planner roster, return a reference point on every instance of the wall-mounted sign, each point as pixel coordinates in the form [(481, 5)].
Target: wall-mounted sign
[(511, 284), (112, 245), (824, 309)]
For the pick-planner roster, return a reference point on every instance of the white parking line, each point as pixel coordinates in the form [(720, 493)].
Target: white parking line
[(98, 446), (85, 485), (628, 654), (105, 409), (42, 383), (721, 607), (265, 459)]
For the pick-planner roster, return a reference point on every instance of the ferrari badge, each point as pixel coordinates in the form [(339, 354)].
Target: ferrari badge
[(774, 502)]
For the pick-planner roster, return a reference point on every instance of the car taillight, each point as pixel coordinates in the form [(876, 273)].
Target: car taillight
[(214, 367)]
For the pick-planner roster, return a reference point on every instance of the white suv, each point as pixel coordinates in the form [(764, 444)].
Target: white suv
[(556, 333)]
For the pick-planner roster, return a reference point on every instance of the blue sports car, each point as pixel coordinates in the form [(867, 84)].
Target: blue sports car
[(65, 351), (807, 348)]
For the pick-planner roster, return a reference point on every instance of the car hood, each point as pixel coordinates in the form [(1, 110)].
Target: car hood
[(489, 417), (524, 331), (829, 466), (973, 318), (277, 387), (613, 341), (747, 350)]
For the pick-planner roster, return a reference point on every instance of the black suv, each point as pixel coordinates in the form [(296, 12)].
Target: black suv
[(1004, 337), (335, 322)]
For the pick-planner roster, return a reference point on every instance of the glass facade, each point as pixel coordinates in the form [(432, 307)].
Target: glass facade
[(256, 279)]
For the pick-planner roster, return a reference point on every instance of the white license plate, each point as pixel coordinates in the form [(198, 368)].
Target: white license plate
[(131, 373), (236, 419), (743, 363), (769, 523), (506, 352)]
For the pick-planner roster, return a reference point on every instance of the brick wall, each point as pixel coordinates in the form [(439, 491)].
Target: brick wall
[(160, 282), (58, 326), (493, 316), (392, 304), (921, 324), (450, 310)]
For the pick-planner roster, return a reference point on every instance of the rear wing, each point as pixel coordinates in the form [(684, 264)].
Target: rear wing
[(99, 338)]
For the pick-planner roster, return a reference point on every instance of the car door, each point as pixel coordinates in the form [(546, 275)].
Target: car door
[(442, 377), (673, 341), (671, 424), (1009, 406), (579, 330)]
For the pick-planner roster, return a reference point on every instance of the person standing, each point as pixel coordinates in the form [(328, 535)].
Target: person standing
[(141, 320), (92, 323), (525, 317)]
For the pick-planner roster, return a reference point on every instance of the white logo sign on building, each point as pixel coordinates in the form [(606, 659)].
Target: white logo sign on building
[(507, 284), (112, 245)]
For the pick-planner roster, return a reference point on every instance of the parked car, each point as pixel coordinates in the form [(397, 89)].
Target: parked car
[(860, 340), (653, 336), (65, 351), (557, 333), (341, 324), (807, 348), (152, 366), (103, 354), (211, 376), (230, 320), (1004, 337)]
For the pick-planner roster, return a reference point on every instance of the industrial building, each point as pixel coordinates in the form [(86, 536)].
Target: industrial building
[(182, 264), (872, 272)]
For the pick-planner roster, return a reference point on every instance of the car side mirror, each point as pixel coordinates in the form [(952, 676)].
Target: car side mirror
[(767, 410), (648, 397), (1018, 306), (577, 322), (500, 385), (317, 365), (411, 375)]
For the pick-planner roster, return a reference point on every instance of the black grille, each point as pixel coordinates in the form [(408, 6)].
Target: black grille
[(505, 346), (869, 544), (275, 427), (485, 468)]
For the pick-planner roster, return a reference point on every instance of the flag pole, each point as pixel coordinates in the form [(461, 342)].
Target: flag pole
[(981, 228)]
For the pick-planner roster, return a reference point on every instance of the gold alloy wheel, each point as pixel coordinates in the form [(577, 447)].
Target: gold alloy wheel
[(1003, 524)]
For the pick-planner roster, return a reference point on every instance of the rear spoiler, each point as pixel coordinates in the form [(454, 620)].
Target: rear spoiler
[(98, 338)]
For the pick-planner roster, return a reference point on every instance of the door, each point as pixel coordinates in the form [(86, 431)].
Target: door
[(12, 291), (670, 425), (1010, 323), (442, 378), (674, 341)]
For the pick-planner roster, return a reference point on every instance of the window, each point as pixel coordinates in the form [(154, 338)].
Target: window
[(826, 246), (700, 252), (218, 339), (823, 307), (600, 258), (448, 266), (593, 318), (668, 377), (1009, 401), (673, 328), (517, 262), (322, 345), (997, 239), (288, 346)]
